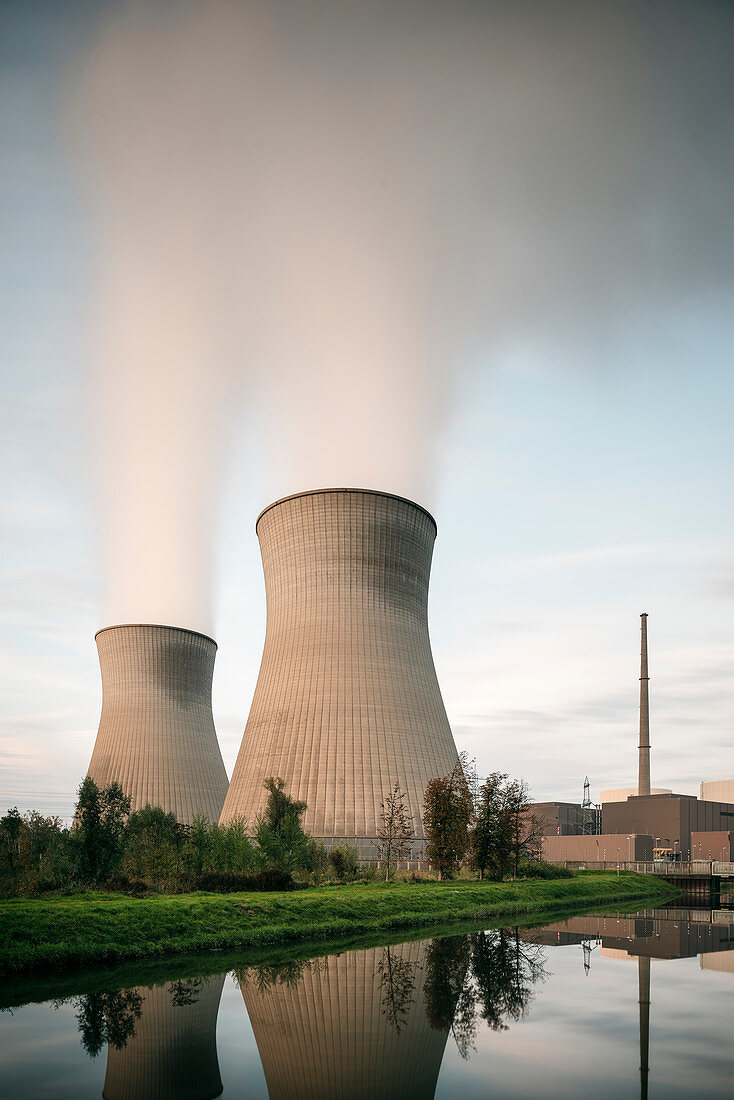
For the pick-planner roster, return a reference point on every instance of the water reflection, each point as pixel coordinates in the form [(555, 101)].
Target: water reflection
[(653, 934), (161, 1041), (351, 1025), (375, 1022)]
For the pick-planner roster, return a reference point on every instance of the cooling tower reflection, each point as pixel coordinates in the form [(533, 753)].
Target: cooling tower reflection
[(375, 1023), (348, 1025), (161, 1041)]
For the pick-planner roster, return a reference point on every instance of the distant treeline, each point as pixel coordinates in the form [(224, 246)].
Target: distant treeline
[(483, 828)]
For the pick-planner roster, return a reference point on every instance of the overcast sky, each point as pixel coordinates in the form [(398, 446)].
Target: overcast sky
[(579, 441)]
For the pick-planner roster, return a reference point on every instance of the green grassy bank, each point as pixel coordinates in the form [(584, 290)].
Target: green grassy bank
[(103, 928)]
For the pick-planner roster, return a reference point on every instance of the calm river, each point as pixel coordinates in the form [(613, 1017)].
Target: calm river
[(596, 1006)]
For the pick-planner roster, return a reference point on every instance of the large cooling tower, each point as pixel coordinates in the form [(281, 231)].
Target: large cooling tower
[(156, 732), (347, 703)]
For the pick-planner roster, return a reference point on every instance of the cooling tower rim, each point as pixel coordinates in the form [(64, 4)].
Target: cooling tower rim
[(156, 626), (346, 489)]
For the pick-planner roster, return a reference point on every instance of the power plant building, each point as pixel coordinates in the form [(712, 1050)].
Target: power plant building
[(347, 703), (669, 818), (156, 734), (718, 790)]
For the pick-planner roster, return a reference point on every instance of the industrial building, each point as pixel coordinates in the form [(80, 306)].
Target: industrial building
[(718, 790), (559, 818), (604, 848), (621, 794), (680, 824), (669, 818), (156, 734), (347, 703)]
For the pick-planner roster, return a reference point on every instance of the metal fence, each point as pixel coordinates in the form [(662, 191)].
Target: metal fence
[(695, 868)]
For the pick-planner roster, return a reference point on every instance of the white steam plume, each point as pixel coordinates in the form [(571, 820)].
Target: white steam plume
[(344, 203)]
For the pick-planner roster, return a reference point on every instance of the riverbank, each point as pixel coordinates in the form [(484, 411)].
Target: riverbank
[(101, 928)]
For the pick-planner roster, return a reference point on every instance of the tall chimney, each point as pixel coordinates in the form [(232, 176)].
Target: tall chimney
[(643, 780)]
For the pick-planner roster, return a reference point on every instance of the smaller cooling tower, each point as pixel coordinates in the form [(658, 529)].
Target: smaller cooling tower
[(172, 1053), (156, 733)]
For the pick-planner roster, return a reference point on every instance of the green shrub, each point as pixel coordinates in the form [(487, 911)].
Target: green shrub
[(222, 882), (344, 861), (537, 868)]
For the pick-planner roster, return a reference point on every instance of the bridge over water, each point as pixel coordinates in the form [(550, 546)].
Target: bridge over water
[(699, 879)]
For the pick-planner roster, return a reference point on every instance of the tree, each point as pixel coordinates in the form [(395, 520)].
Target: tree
[(525, 830), (278, 831), (490, 837), (448, 990), (108, 1018), (396, 832), (505, 831), (10, 827), (152, 843), (99, 824), (447, 815), (505, 970)]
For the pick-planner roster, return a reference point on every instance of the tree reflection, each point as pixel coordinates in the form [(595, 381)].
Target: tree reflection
[(107, 1018), (482, 976), (267, 975), (448, 990), (185, 992), (505, 970), (397, 983)]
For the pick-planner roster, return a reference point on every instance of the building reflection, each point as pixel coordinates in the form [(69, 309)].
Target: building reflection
[(652, 934), (161, 1040)]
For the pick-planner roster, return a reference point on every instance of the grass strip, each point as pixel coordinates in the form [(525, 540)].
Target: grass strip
[(107, 928), (38, 986)]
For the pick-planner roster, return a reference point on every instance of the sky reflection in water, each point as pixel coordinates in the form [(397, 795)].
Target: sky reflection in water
[(548, 1012)]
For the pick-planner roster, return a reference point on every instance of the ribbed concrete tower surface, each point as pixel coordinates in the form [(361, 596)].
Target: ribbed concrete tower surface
[(643, 778), (156, 733), (347, 702)]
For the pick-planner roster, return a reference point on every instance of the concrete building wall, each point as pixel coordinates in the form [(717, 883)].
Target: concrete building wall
[(718, 790), (620, 794), (718, 845), (602, 848), (351, 1026), (672, 818), (723, 962), (559, 818), (156, 734), (347, 703), (172, 1054)]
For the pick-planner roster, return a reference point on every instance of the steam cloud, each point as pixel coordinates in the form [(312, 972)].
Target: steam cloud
[(337, 206)]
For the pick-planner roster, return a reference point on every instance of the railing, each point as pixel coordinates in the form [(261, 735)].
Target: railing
[(698, 868)]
